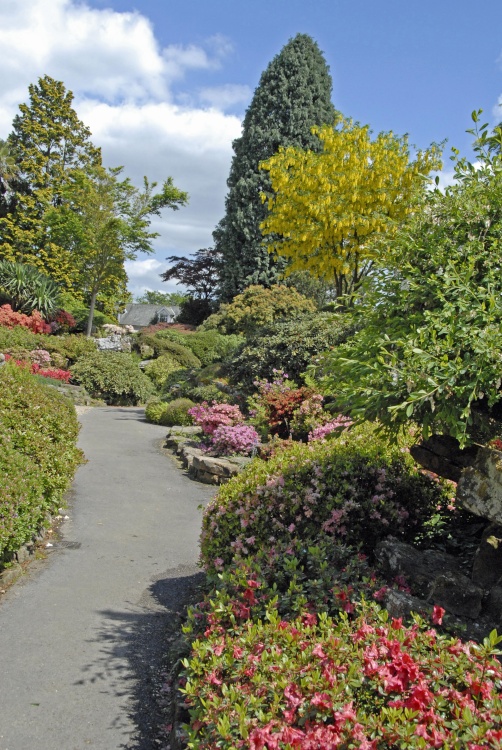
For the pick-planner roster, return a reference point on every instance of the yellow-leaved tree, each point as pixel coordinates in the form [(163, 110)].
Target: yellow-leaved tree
[(329, 210)]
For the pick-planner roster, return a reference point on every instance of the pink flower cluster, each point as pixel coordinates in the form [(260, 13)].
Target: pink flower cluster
[(40, 357), (46, 372), (335, 425), (241, 439), (216, 415)]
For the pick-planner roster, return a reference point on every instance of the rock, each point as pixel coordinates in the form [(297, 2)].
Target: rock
[(487, 566), (494, 606), (443, 455), (9, 575), (24, 553), (400, 604), (114, 343), (188, 431), (419, 568), (457, 594), (480, 487)]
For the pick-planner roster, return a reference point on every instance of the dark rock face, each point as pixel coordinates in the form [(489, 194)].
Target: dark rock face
[(494, 606), (443, 455), (420, 568), (457, 594), (487, 567)]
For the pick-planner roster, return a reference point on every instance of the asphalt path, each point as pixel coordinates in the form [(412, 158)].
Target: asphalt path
[(81, 633)]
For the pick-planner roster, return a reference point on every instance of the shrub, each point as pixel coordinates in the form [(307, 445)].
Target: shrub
[(365, 682), (177, 412), (279, 408), (291, 346), (227, 440), (356, 488), (112, 376), (154, 410), (163, 345), (216, 415), (159, 369), (38, 433), (257, 307), (62, 321), (211, 346), (33, 322)]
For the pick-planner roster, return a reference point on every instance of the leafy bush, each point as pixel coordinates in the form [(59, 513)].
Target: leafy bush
[(177, 412), (159, 369), (216, 415), (112, 376), (257, 307), (171, 413), (38, 454), (364, 682), (211, 346), (291, 346), (165, 345), (357, 488)]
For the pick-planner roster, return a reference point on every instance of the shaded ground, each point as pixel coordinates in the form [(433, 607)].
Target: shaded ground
[(83, 635)]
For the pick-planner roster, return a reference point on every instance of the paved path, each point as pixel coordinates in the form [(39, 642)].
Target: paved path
[(81, 634)]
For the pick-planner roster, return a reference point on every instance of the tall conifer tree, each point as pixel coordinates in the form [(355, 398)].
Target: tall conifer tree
[(48, 142), (294, 94)]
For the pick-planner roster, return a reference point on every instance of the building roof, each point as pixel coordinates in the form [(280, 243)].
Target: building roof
[(143, 315)]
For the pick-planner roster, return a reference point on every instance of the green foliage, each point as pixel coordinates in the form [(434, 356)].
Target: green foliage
[(27, 289), (70, 346), (294, 94), (291, 346), (430, 349), (169, 414), (171, 343), (112, 376), (355, 488), (194, 311), (159, 369), (318, 290), (38, 454), (208, 345), (151, 297), (257, 307)]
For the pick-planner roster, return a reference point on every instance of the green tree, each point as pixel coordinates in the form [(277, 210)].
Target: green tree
[(328, 207), (429, 351), (153, 297), (103, 222), (47, 143), (294, 94)]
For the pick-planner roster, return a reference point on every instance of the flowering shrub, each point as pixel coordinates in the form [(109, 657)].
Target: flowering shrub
[(111, 328), (214, 416), (40, 357), (328, 428), (241, 439), (317, 683), (45, 372), (276, 403), (33, 322), (357, 488), (62, 322)]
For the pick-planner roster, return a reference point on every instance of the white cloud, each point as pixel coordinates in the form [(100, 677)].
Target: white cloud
[(122, 81), (145, 275), (226, 96)]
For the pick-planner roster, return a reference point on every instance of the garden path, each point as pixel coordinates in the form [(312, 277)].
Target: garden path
[(83, 633)]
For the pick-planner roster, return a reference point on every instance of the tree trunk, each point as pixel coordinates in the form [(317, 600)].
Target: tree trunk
[(91, 313)]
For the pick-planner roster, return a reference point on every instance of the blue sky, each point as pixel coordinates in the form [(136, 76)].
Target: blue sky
[(163, 86)]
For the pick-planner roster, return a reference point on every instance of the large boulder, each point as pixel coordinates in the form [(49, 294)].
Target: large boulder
[(479, 489)]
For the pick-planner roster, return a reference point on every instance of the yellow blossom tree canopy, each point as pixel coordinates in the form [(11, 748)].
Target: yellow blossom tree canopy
[(329, 208)]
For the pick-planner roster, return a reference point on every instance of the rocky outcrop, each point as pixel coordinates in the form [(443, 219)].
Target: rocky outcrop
[(479, 488), (200, 464)]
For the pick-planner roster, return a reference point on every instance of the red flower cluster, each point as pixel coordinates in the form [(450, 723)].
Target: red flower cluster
[(46, 372), (34, 322)]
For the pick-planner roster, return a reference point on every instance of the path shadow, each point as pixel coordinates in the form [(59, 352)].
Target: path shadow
[(136, 651)]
